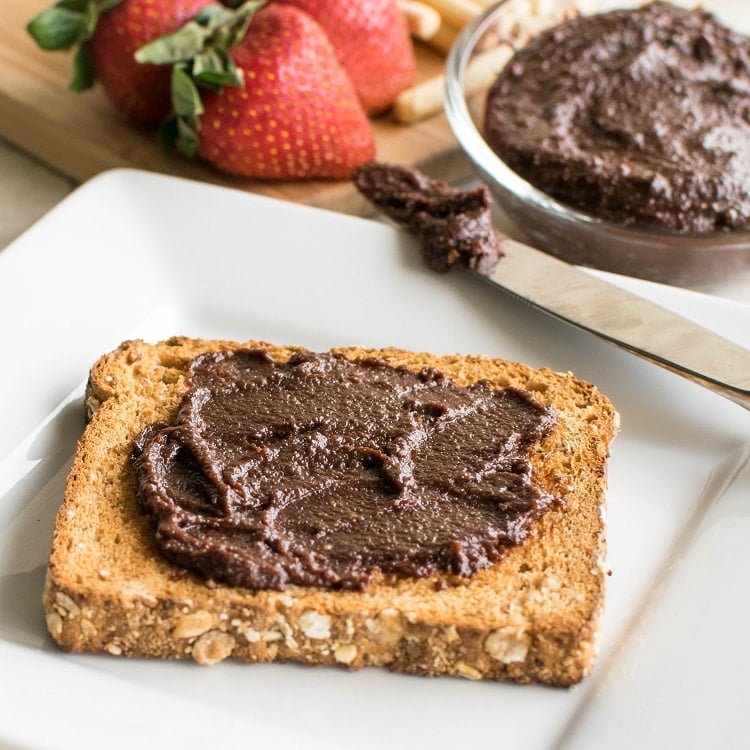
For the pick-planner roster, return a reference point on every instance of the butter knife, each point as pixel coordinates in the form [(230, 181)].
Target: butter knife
[(624, 319)]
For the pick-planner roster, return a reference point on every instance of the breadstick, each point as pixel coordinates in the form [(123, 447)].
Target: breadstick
[(442, 40), (457, 13), (484, 68), (423, 20), (426, 98), (419, 101)]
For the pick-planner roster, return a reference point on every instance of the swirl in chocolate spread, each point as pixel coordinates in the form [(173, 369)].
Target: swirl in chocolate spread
[(329, 472), (640, 117)]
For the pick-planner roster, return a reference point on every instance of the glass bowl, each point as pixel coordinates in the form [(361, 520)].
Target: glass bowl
[(698, 261)]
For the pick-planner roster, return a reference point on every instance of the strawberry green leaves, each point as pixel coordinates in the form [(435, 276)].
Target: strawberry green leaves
[(67, 24), (201, 46), (180, 131), (199, 55), (104, 35), (59, 28)]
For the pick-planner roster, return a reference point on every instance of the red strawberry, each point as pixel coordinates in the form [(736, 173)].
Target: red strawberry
[(297, 114), (372, 42), (107, 33)]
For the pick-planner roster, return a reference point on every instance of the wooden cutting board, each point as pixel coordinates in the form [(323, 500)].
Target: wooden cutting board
[(81, 135)]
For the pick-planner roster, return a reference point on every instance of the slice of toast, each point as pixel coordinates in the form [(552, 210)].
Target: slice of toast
[(533, 616)]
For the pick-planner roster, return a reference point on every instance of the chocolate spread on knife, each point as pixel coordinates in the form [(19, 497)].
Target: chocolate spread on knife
[(324, 471), (640, 117), (453, 226)]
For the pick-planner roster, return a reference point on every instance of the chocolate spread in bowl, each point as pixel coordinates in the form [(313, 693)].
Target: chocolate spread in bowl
[(323, 471), (640, 117)]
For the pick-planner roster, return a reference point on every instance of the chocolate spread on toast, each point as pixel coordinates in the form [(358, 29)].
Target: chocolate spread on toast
[(322, 471)]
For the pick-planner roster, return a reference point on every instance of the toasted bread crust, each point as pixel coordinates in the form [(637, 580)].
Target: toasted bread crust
[(534, 616)]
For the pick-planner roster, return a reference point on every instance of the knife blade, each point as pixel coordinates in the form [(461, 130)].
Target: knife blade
[(624, 319)]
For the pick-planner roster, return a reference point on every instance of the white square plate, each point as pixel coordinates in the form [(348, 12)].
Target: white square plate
[(135, 254)]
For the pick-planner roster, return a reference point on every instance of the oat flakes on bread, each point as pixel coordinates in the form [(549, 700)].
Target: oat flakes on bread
[(532, 617)]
